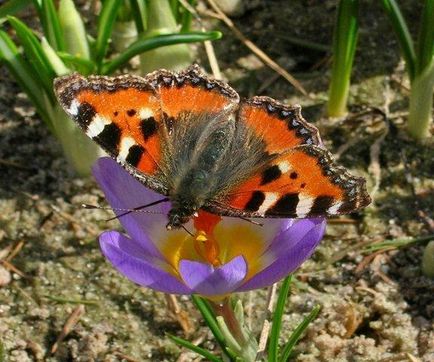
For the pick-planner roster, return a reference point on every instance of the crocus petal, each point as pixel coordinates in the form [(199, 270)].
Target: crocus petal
[(128, 258), (291, 236), (123, 191), (300, 239), (205, 279)]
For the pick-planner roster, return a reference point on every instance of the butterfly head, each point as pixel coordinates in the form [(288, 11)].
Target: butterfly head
[(180, 214)]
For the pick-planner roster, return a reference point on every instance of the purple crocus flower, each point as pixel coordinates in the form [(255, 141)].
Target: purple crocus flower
[(225, 255)]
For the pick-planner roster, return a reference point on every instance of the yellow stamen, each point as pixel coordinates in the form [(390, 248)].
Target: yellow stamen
[(207, 247)]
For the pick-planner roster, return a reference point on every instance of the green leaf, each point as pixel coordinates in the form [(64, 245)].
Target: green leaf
[(174, 6), (187, 16), (105, 25), (143, 45), (56, 63), (273, 343), (12, 7), (84, 65), (344, 46), (37, 59), (404, 38), (50, 23), (210, 319), (139, 14), (295, 336), (425, 54), (203, 352), (24, 75)]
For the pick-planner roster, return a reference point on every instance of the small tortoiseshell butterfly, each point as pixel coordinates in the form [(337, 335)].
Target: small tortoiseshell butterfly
[(189, 137)]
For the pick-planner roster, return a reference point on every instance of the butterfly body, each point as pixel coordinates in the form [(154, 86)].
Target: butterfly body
[(190, 138)]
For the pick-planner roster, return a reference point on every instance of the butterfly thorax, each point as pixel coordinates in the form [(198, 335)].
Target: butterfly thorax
[(188, 198), (198, 179)]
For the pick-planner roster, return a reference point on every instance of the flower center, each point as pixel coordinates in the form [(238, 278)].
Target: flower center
[(216, 243), (205, 243)]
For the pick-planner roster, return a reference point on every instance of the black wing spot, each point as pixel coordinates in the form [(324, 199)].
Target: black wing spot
[(255, 201), (134, 154), (270, 174), (293, 175), (286, 205), (321, 204), (115, 113), (131, 112), (85, 115), (109, 138), (303, 185), (149, 127)]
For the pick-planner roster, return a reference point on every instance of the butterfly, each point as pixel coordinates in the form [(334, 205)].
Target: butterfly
[(190, 138)]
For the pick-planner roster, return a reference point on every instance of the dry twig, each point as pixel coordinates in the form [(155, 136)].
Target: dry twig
[(179, 314), (70, 323), (271, 297), (257, 51)]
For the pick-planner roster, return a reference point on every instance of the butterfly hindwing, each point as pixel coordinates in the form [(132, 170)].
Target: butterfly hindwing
[(302, 182)]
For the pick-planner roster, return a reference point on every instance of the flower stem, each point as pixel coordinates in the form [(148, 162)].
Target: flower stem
[(226, 311)]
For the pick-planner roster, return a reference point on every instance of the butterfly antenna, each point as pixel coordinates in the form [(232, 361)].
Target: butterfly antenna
[(127, 211), (188, 232), (251, 221)]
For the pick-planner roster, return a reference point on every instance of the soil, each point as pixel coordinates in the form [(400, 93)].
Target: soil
[(374, 306)]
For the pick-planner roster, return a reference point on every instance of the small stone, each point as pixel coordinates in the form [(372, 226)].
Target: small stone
[(5, 276)]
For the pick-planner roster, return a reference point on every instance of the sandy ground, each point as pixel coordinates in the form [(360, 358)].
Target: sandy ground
[(375, 307)]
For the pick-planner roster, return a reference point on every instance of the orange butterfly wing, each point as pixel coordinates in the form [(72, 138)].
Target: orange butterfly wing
[(122, 114), (297, 178)]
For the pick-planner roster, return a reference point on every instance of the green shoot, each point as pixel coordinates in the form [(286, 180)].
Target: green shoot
[(161, 21), (344, 47), (419, 61)]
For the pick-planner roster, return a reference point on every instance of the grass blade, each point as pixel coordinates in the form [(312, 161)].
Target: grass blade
[(12, 7), (404, 38), (426, 38), (24, 75), (273, 343), (143, 45), (51, 25), (105, 25), (396, 243), (295, 336), (37, 59), (201, 351)]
